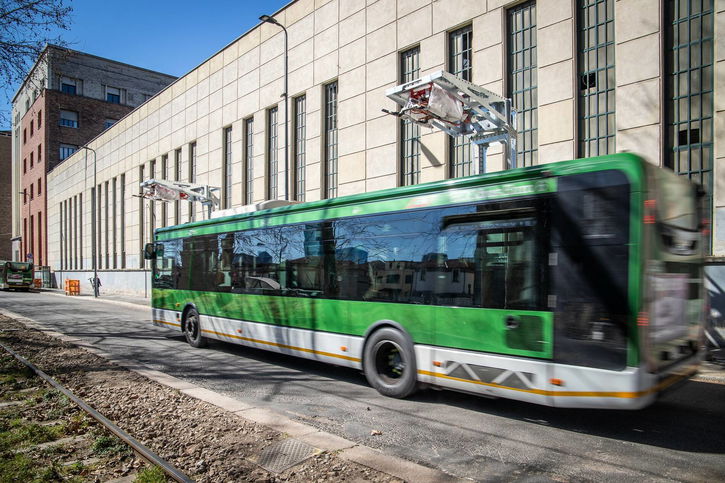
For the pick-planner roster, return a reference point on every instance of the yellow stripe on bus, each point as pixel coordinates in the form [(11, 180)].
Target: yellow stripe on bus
[(283, 346), (542, 392)]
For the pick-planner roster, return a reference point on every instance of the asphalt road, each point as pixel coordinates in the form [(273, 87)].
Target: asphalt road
[(679, 438)]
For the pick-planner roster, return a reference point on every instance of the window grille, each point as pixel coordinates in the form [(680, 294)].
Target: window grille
[(249, 161), (331, 161), (300, 146), (595, 33), (192, 178), (460, 56), (522, 80), (227, 172), (272, 154), (410, 132)]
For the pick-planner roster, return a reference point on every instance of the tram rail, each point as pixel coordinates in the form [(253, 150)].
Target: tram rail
[(138, 447)]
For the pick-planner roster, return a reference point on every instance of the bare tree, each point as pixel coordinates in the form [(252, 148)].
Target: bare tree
[(26, 26)]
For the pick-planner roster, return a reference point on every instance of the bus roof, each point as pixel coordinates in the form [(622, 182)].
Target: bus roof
[(628, 162)]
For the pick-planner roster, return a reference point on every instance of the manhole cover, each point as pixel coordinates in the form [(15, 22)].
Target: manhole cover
[(284, 454)]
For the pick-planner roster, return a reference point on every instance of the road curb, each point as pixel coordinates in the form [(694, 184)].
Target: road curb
[(344, 448)]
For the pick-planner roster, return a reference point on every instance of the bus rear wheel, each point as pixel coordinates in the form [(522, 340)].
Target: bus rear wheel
[(389, 363), (192, 329)]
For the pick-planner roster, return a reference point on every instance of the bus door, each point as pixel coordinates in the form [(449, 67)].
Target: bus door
[(589, 270), (500, 250)]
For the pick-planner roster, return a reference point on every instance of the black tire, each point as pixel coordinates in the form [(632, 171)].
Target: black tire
[(389, 363), (192, 329)]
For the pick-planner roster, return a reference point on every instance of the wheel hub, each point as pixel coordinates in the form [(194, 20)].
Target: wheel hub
[(389, 361)]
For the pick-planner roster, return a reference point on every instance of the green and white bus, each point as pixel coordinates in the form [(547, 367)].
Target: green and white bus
[(16, 275), (572, 284)]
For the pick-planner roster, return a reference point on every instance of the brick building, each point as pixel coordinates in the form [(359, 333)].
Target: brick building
[(5, 195), (67, 99)]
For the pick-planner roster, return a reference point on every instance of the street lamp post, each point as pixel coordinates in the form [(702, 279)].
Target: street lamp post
[(93, 221), (273, 21)]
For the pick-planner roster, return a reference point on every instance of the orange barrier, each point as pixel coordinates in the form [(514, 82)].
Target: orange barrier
[(37, 282), (72, 287)]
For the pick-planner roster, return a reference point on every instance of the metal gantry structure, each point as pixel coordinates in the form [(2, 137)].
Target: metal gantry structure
[(459, 108), (162, 190)]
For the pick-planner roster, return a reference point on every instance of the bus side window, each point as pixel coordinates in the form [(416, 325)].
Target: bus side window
[(168, 265), (201, 253), (222, 276), (376, 257), (497, 260)]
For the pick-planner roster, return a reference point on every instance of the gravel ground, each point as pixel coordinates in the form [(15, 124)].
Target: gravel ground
[(203, 441)]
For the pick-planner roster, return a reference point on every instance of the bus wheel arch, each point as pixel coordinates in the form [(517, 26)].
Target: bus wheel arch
[(389, 359), (191, 327)]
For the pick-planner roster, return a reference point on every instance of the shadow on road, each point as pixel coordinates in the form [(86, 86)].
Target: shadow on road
[(683, 420)]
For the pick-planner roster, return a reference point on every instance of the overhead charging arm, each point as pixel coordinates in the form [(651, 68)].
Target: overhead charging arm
[(162, 190), (458, 108)]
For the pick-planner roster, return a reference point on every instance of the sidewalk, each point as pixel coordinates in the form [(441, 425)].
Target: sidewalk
[(104, 297)]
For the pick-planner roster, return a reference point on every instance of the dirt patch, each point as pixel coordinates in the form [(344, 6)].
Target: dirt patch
[(203, 441)]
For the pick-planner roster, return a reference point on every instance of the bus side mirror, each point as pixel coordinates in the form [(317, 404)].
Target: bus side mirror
[(149, 251)]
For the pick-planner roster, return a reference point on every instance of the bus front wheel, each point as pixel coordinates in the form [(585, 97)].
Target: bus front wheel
[(192, 329), (389, 363)]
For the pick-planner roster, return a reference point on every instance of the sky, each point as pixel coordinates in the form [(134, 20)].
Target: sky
[(168, 36)]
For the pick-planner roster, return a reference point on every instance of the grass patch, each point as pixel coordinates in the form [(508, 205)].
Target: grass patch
[(61, 404), (54, 396), (107, 445), (77, 423), (154, 474), (9, 421), (15, 376), (21, 468), (16, 468), (22, 434)]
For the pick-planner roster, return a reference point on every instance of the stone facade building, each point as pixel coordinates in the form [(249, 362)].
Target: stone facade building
[(5, 195), (587, 78), (67, 99)]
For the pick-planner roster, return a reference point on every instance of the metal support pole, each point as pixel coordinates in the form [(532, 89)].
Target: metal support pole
[(286, 120), (483, 148), (273, 21)]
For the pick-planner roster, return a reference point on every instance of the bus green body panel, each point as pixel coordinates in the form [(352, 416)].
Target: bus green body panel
[(466, 328)]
